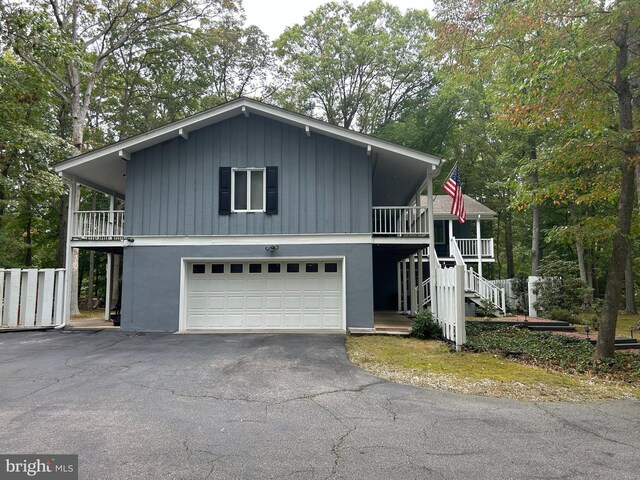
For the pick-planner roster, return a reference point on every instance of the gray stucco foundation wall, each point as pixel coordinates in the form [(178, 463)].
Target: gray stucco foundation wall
[(151, 279)]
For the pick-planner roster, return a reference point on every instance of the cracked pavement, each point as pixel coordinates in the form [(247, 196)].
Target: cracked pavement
[(286, 406)]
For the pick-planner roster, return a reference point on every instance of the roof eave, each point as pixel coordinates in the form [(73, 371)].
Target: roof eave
[(246, 106)]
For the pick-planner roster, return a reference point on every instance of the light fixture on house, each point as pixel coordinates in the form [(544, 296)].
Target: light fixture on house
[(272, 248)]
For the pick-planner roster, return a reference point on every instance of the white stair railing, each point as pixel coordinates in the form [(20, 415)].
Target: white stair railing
[(455, 252), (480, 286)]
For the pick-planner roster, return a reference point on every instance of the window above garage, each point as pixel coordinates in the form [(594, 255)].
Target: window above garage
[(248, 189)]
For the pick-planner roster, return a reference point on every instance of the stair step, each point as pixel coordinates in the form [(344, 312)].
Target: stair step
[(552, 328), (526, 324), (623, 343)]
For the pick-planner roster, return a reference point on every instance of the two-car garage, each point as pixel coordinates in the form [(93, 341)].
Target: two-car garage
[(291, 294)]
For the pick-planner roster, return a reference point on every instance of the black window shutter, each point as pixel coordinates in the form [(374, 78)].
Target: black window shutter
[(272, 191), (225, 191)]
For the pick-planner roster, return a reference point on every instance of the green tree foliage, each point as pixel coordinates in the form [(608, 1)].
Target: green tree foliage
[(358, 66), (561, 77), (560, 288), (29, 145)]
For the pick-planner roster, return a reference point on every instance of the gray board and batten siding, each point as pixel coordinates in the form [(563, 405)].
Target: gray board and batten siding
[(151, 279), (324, 183)]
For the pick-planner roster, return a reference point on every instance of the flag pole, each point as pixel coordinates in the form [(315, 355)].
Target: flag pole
[(452, 169)]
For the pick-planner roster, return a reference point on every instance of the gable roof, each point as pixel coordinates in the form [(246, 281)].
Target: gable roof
[(104, 168), (442, 208)]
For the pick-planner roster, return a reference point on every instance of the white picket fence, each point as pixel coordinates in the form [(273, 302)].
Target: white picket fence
[(450, 292), (31, 297)]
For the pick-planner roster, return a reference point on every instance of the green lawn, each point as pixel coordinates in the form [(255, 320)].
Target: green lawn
[(622, 326), (431, 363)]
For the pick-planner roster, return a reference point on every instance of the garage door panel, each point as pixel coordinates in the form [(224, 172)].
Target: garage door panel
[(255, 321), (255, 285), (331, 302), (215, 321), (215, 302), (274, 320), (273, 303), (264, 297), (254, 302), (292, 303), (235, 320), (292, 320), (312, 302), (312, 320), (331, 320)]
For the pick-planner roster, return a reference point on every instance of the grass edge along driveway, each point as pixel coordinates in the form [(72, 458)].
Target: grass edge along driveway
[(430, 363)]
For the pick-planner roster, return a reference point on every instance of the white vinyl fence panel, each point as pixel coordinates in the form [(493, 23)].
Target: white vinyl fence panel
[(450, 293), (31, 297)]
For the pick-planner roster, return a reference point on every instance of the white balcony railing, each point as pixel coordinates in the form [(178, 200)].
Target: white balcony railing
[(400, 221), (99, 225), (469, 247)]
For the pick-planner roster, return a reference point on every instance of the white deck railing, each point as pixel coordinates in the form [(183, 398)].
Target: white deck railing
[(400, 221), (469, 247), (99, 225)]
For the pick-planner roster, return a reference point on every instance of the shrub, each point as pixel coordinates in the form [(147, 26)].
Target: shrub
[(562, 315), (560, 287), (426, 327), (486, 309), (520, 289)]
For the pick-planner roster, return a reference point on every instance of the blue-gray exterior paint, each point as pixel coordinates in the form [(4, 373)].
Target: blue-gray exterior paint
[(324, 183), (151, 280)]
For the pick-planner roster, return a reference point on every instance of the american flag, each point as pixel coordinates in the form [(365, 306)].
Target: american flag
[(453, 187)]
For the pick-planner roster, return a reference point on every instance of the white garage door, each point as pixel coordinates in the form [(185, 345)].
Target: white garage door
[(305, 294)]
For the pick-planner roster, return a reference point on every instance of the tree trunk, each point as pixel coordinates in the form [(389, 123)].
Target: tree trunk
[(606, 335), (62, 231), (582, 264), (28, 257), (629, 286), (535, 221), (508, 245)]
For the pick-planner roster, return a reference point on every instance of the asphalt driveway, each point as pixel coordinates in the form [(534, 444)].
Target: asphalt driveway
[(281, 406)]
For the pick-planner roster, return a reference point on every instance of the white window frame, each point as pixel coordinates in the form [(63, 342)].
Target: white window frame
[(264, 189)]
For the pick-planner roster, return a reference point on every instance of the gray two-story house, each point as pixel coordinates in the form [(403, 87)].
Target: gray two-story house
[(250, 217)]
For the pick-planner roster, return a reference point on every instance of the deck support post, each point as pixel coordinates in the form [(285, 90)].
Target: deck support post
[(432, 246), (405, 301), (399, 282), (420, 267), (479, 246), (412, 284), (73, 193), (107, 292)]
